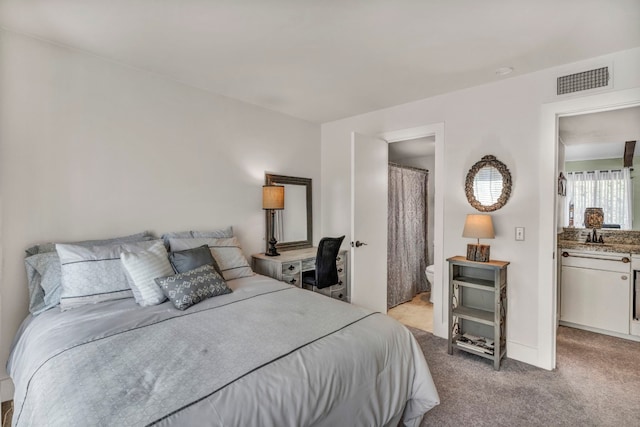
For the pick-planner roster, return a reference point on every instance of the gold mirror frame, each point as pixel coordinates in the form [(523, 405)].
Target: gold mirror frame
[(491, 161)]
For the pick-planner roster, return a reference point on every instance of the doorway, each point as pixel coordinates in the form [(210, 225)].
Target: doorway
[(411, 225), (548, 264)]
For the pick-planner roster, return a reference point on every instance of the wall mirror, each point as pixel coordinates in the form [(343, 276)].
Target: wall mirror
[(294, 224), (488, 184)]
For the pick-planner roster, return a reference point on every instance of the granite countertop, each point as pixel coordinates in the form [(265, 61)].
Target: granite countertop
[(599, 247)]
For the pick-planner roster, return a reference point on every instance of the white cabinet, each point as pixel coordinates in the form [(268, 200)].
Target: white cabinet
[(595, 291)]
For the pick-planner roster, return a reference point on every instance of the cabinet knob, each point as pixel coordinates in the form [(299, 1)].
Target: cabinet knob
[(624, 277), (340, 282), (626, 260), (338, 258), (292, 281), (339, 270), (291, 267), (340, 296)]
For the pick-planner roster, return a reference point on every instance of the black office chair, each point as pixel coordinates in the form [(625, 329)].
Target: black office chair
[(326, 272)]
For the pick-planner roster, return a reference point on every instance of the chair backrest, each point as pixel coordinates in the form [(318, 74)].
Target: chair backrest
[(326, 270)]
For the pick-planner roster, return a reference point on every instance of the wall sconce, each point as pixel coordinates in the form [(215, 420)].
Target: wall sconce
[(478, 226), (272, 199)]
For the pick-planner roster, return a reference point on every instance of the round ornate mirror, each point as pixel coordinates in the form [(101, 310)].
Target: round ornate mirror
[(488, 184)]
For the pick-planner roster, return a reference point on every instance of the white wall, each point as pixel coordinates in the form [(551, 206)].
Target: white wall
[(93, 149), (504, 119)]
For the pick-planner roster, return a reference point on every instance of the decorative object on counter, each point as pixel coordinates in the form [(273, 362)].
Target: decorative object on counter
[(488, 184), (571, 210), (593, 217), (562, 185), (478, 226), (272, 199)]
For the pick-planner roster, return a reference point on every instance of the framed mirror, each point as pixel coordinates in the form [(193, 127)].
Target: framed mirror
[(293, 224), (488, 184)]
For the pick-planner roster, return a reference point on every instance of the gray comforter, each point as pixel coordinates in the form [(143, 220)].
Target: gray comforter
[(267, 354)]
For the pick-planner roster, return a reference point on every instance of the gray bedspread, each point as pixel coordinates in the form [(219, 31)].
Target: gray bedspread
[(267, 354)]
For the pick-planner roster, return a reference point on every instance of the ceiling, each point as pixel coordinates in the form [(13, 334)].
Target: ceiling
[(325, 60), (600, 135)]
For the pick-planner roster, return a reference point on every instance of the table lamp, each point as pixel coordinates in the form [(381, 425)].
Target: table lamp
[(272, 199), (478, 226)]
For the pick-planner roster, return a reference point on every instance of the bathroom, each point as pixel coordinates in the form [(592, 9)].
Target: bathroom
[(599, 223), (411, 230)]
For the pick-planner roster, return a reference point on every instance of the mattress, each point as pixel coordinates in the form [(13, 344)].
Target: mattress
[(267, 354)]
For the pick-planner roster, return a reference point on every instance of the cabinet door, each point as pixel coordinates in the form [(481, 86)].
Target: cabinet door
[(595, 298)]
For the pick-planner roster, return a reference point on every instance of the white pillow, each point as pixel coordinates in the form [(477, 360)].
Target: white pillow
[(143, 267), (93, 274), (225, 251)]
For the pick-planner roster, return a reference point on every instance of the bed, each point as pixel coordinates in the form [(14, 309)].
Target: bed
[(266, 354)]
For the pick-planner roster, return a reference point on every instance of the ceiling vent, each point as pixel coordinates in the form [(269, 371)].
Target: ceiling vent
[(585, 80)]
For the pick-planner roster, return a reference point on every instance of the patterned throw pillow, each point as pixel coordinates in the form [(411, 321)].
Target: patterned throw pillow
[(191, 287), (143, 267)]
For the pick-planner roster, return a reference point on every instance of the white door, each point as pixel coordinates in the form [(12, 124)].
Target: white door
[(369, 184)]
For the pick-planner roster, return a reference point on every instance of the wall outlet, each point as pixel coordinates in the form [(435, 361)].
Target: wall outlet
[(519, 233)]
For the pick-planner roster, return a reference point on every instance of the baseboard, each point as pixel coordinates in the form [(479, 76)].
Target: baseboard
[(6, 389), (523, 353), (600, 331)]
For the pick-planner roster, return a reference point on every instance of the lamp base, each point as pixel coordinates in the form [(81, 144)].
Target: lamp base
[(272, 251), (478, 253)]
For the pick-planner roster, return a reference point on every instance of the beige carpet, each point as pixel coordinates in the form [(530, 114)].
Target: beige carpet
[(597, 383), (417, 313)]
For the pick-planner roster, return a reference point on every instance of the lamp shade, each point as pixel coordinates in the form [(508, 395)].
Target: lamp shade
[(478, 227), (272, 197)]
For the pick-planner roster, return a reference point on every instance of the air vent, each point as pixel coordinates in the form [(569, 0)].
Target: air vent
[(586, 80)]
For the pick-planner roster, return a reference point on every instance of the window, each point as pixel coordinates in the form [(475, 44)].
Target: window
[(609, 190)]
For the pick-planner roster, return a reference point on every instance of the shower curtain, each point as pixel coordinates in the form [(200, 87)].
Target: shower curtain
[(407, 251)]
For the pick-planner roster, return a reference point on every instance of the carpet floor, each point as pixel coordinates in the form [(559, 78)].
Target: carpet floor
[(596, 383)]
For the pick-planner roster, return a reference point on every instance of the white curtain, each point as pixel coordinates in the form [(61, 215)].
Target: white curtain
[(609, 190)]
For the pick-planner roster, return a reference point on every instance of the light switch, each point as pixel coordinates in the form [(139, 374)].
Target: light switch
[(519, 233)]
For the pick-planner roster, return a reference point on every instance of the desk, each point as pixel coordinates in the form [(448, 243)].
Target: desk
[(289, 266)]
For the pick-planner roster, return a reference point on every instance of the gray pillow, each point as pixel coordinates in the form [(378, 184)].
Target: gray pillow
[(225, 251), (220, 232), (44, 278), (51, 247), (175, 235), (44, 275), (191, 287), (189, 259), (95, 274)]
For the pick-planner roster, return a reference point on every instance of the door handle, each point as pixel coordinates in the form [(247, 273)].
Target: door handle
[(358, 243)]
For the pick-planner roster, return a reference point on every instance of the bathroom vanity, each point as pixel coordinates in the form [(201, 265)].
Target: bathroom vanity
[(599, 284), (595, 290)]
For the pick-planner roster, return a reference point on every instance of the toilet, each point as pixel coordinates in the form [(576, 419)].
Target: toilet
[(429, 272)]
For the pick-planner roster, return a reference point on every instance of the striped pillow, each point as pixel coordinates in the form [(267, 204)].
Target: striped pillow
[(225, 251), (143, 267), (95, 273)]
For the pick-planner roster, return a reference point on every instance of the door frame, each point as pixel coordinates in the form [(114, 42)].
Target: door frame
[(440, 319), (547, 226)]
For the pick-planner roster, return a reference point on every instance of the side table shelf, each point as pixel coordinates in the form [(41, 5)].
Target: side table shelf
[(478, 308)]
